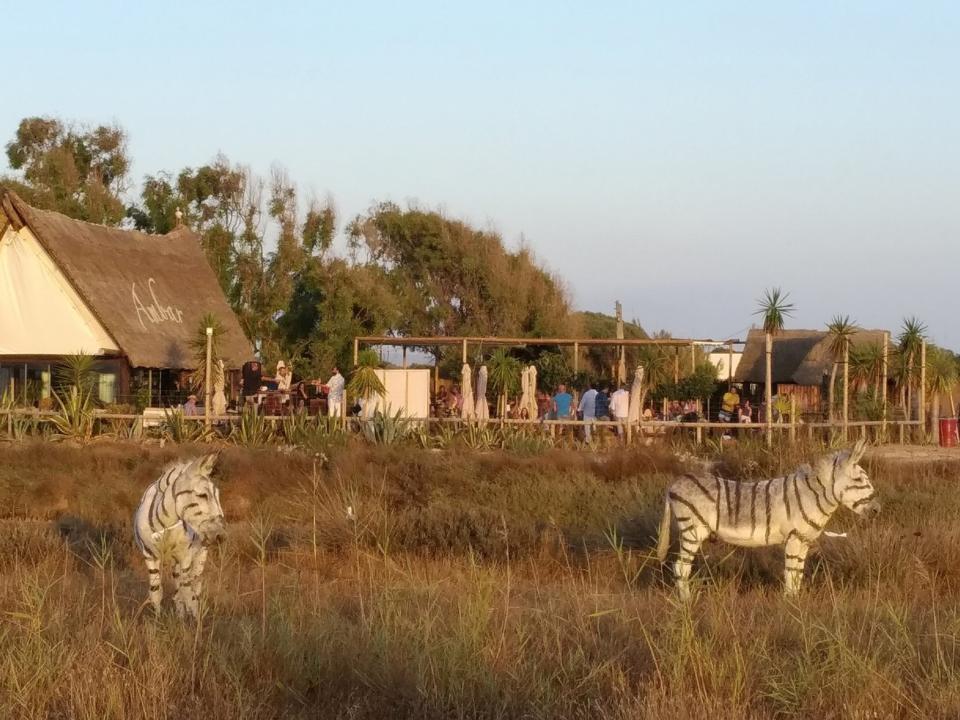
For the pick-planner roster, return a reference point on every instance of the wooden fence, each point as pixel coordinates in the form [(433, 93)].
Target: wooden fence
[(874, 430)]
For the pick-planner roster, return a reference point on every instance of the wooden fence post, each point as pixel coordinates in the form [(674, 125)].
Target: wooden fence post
[(923, 391), (846, 386), (207, 385), (793, 419)]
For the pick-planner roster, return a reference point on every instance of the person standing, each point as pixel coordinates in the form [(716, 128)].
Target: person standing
[(620, 408), (335, 388), (603, 402), (729, 404), (562, 402), (588, 411)]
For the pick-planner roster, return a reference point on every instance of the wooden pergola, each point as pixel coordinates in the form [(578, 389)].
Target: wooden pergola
[(576, 343)]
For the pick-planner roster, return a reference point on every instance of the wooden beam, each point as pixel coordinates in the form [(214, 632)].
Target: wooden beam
[(430, 341)]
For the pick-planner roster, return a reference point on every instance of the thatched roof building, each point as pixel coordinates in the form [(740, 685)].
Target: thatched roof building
[(68, 286), (800, 363)]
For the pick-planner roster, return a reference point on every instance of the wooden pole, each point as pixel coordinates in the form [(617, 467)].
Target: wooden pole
[(922, 392), (406, 383), (576, 358), (621, 355), (149, 387), (768, 389), (693, 358), (464, 351), (356, 352), (676, 365), (207, 385), (846, 387), (883, 387), (730, 364)]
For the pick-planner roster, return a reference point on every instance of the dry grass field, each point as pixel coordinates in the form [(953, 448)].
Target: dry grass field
[(467, 585)]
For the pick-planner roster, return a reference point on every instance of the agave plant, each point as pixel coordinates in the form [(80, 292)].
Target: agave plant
[(313, 432), (384, 428), (178, 429), (74, 416), (252, 430)]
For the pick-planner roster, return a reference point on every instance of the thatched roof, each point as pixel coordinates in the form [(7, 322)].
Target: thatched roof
[(800, 357), (149, 292)]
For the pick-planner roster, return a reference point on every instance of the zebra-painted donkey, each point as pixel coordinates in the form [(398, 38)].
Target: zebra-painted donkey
[(178, 517), (792, 510)]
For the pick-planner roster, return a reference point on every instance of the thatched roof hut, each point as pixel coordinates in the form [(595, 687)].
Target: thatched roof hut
[(800, 362), (68, 286)]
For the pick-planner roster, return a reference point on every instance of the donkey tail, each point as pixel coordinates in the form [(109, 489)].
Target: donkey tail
[(663, 541)]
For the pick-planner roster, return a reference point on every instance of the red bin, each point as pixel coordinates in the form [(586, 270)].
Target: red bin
[(948, 432)]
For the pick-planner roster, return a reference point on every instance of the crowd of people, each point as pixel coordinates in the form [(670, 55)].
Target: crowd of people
[(282, 392)]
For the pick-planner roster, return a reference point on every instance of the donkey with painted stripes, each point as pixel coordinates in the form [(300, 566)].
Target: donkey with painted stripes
[(792, 510), (178, 518)]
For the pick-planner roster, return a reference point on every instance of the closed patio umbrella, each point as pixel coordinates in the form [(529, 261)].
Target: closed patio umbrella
[(524, 391), (533, 392), (636, 396), (468, 410), (482, 409)]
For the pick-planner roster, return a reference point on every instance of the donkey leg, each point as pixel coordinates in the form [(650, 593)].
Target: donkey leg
[(692, 536), (794, 560), (194, 585), (178, 575), (156, 586)]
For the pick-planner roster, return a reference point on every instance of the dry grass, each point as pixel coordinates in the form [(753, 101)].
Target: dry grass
[(469, 585)]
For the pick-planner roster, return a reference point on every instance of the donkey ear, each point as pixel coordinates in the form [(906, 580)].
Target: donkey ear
[(859, 448), (206, 464)]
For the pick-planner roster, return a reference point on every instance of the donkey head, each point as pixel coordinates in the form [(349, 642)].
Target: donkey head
[(198, 500), (849, 482)]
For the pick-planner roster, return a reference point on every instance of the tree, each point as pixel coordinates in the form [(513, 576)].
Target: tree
[(774, 309), (450, 279), (841, 329), (73, 169)]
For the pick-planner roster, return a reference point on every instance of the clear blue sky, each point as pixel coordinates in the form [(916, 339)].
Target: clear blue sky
[(678, 156)]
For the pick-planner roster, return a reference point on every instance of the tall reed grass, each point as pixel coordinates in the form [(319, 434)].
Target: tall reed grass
[(377, 582)]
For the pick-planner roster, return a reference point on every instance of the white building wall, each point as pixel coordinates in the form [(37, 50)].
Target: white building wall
[(40, 312)]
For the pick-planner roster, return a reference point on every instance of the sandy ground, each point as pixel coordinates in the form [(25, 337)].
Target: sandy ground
[(914, 453)]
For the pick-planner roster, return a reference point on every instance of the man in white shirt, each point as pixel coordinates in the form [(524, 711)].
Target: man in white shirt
[(588, 410), (620, 407), (335, 386)]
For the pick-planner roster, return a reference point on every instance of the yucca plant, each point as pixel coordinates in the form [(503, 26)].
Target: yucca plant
[(774, 310), (941, 379), (77, 370), (198, 348), (841, 329), (504, 377), (909, 342), (252, 429), (364, 383), (478, 436)]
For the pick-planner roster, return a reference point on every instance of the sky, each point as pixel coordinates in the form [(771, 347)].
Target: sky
[(680, 157)]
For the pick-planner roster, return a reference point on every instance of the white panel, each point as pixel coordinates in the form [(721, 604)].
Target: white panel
[(407, 390), (40, 313)]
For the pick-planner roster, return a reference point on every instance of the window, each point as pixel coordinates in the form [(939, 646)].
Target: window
[(107, 388)]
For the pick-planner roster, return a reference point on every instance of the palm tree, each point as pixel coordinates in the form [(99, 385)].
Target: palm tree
[(909, 342), (941, 379), (866, 366), (774, 309), (841, 329)]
